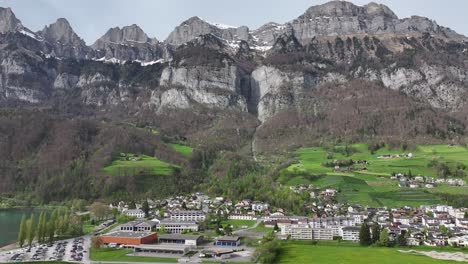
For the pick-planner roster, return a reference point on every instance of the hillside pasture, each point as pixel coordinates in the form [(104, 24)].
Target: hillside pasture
[(140, 164)]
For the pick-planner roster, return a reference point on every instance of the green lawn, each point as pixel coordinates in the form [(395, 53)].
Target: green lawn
[(144, 164), (109, 254), (239, 224), (88, 228), (299, 253), (183, 149)]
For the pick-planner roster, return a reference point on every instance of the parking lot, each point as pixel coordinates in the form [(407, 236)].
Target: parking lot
[(64, 250)]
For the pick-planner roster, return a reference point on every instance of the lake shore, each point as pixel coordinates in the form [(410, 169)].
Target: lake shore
[(9, 247)]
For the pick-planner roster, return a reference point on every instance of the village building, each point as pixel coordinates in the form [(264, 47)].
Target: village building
[(259, 206), (174, 226), (137, 213), (188, 215), (129, 238), (191, 240), (138, 226), (350, 233), (227, 241)]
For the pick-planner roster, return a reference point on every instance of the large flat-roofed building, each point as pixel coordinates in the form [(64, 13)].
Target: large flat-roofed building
[(174, 226), (228, 241), (191, 240), (163, 249), (297, 232), (138, 226), (188, 215), (322, 234), (350, 233), (129, 238)]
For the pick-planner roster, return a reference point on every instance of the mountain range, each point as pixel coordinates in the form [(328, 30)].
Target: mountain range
[(337, 72)]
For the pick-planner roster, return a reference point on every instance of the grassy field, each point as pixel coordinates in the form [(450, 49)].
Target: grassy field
[(239, 224), (347, 254), (311, 159), (88, 228), (374, 186), (183, 149), (109, 254), (144, 164)]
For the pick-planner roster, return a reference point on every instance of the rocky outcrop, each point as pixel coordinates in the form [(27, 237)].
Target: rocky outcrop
[(341, 18), (8, 21), (195, 26), (128, 34), (129, 43), (207, 65), (215, 87), (63, 41)]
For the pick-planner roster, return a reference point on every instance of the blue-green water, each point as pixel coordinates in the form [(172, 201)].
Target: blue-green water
[(9, 223)]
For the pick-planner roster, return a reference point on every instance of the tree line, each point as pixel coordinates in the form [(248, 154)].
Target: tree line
[(60, 223), (374, 235)]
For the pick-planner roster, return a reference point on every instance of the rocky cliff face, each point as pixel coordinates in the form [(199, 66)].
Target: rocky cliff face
[(267, 73), (195, 26), (341, 18), (8, 21), (129, 43), (64, 42)]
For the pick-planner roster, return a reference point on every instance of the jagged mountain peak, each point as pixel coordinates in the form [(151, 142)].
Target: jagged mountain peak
[(61, 31), (8, 21), (131, 33), (375, 9), (196, 26), (340, 9)]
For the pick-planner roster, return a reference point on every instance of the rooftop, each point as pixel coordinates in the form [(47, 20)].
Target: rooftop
[(128, 234), (226, 238), (162, 246), (179, 237)]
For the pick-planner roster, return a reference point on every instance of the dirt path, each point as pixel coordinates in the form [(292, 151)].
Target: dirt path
[(253, 146)]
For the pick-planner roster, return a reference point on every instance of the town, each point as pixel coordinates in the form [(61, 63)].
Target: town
[(193, 228)]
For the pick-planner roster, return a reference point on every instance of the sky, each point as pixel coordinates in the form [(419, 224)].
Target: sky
[(92, 18)]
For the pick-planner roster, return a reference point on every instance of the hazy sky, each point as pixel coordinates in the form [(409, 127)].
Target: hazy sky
[(92, 18)]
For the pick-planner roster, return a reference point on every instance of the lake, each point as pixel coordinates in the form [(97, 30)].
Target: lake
[(9, 223)]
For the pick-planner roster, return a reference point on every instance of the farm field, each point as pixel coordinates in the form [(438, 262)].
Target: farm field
[(143, 163), (109, 254), (311, 159), (183, 149), (373, 186), (347, 254)]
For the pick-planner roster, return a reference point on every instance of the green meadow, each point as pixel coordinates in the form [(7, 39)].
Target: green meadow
[(183, 149), (373, 186), (142, 164), (323, 253), (311, 159), (239, 224)]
